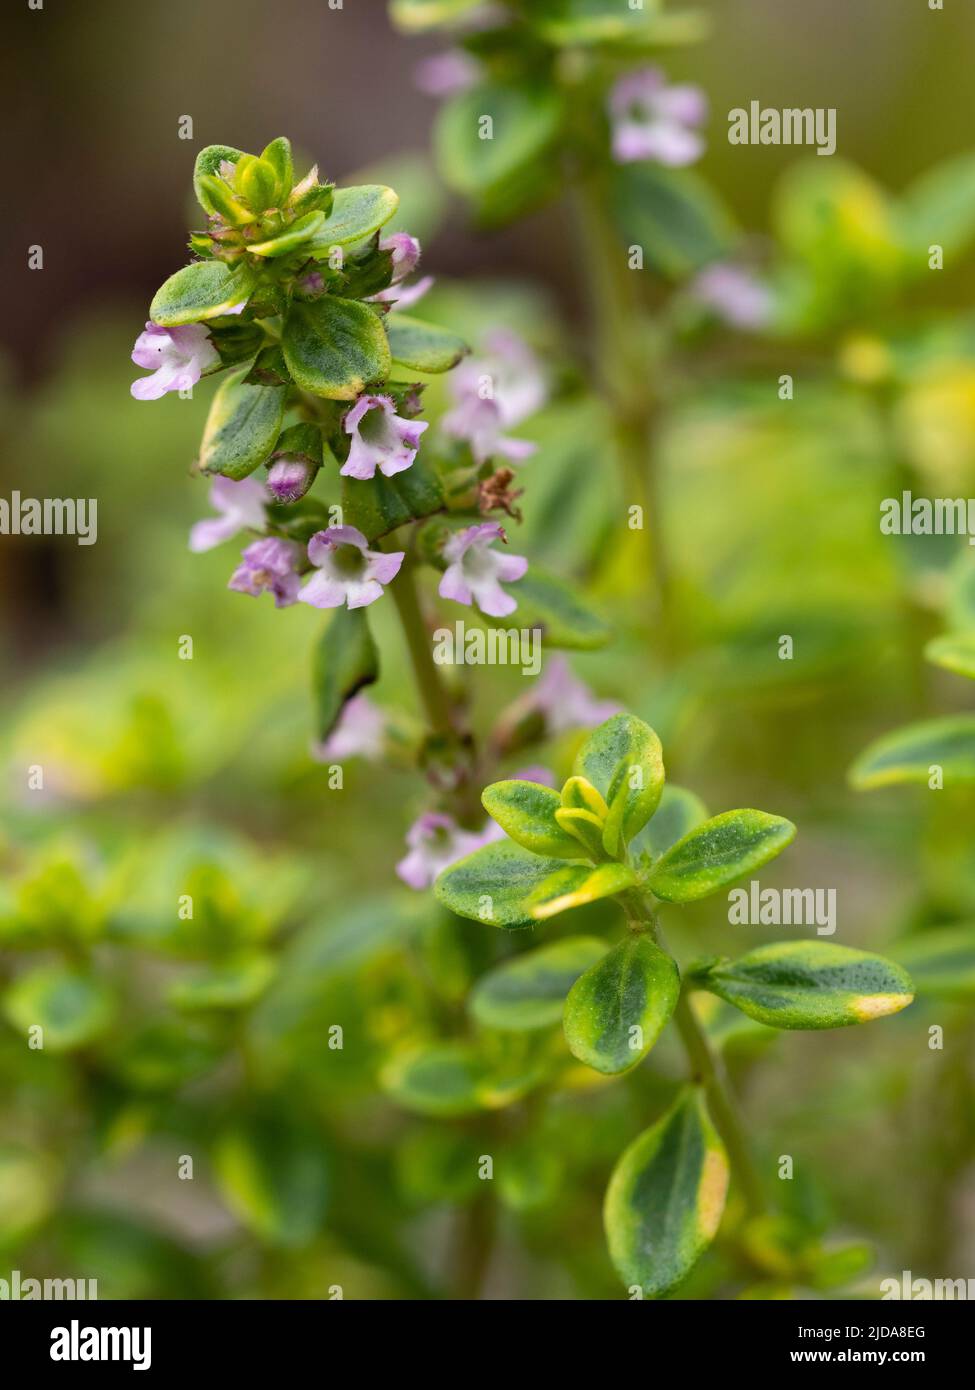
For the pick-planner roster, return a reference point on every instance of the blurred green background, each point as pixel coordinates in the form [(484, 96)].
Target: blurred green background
[(165, 777)]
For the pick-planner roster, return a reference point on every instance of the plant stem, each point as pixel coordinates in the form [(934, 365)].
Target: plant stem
[(623, 369), (433, 693), (708, 1069)]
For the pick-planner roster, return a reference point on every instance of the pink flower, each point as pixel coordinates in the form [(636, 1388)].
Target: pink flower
[(360, 733), (444, 74), (405, 251), (567, 702), (269, 564), (380, 438), (734, 294), (507, 372), (475, 571), (241, 508), (177, 358), (652, 120), (348, 572), (436, 841), (494, 391), (478, 421)]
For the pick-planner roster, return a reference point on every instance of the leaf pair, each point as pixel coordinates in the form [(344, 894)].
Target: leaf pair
[(604, 813)]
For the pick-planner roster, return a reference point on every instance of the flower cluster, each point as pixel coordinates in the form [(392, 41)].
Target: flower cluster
[(296, 291)]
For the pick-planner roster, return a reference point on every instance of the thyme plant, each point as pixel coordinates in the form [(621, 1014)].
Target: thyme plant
[(306, 331)]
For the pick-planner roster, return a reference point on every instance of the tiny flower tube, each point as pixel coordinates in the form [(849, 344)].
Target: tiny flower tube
[(734, 294), (380, 438), (269, 564), (177, 357), (241, 508), (474, 572), (435, 841), (359, 733), (348, 571), (405, 252), (655, 121), (445, 74), (565, 702)]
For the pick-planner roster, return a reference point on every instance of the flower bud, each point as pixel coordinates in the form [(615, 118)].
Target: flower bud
[(290, 477)]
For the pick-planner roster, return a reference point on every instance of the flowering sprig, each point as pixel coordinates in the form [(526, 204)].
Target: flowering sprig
[(296, 295), (597, 838)]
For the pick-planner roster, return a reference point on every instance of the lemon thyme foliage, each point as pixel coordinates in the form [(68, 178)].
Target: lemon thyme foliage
[(600, 837)]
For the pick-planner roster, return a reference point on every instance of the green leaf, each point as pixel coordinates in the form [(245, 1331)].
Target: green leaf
[(939, 209), (29, 1191), (303, 229), (843, 230), (909, 754), (525, 120), (526, 812), (715, 854), (230, 985), (558, 612), (941, 961), (672, 214), (423, 347), (256, 182), (568, 23), (71, 1007), (379, 505), (208, 162), (333, 347), (356, 213), (529, 991), (200, 291), (437, 1079), (955, 651), (269, 368), (346, 659), (506, 886), (273, 1175), (616, 1011), (242, 427), (585, 827), (278, 155), (414, 16), (810, 984), (665, 1198), (678, 813), (623, 760), (224, 202)]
